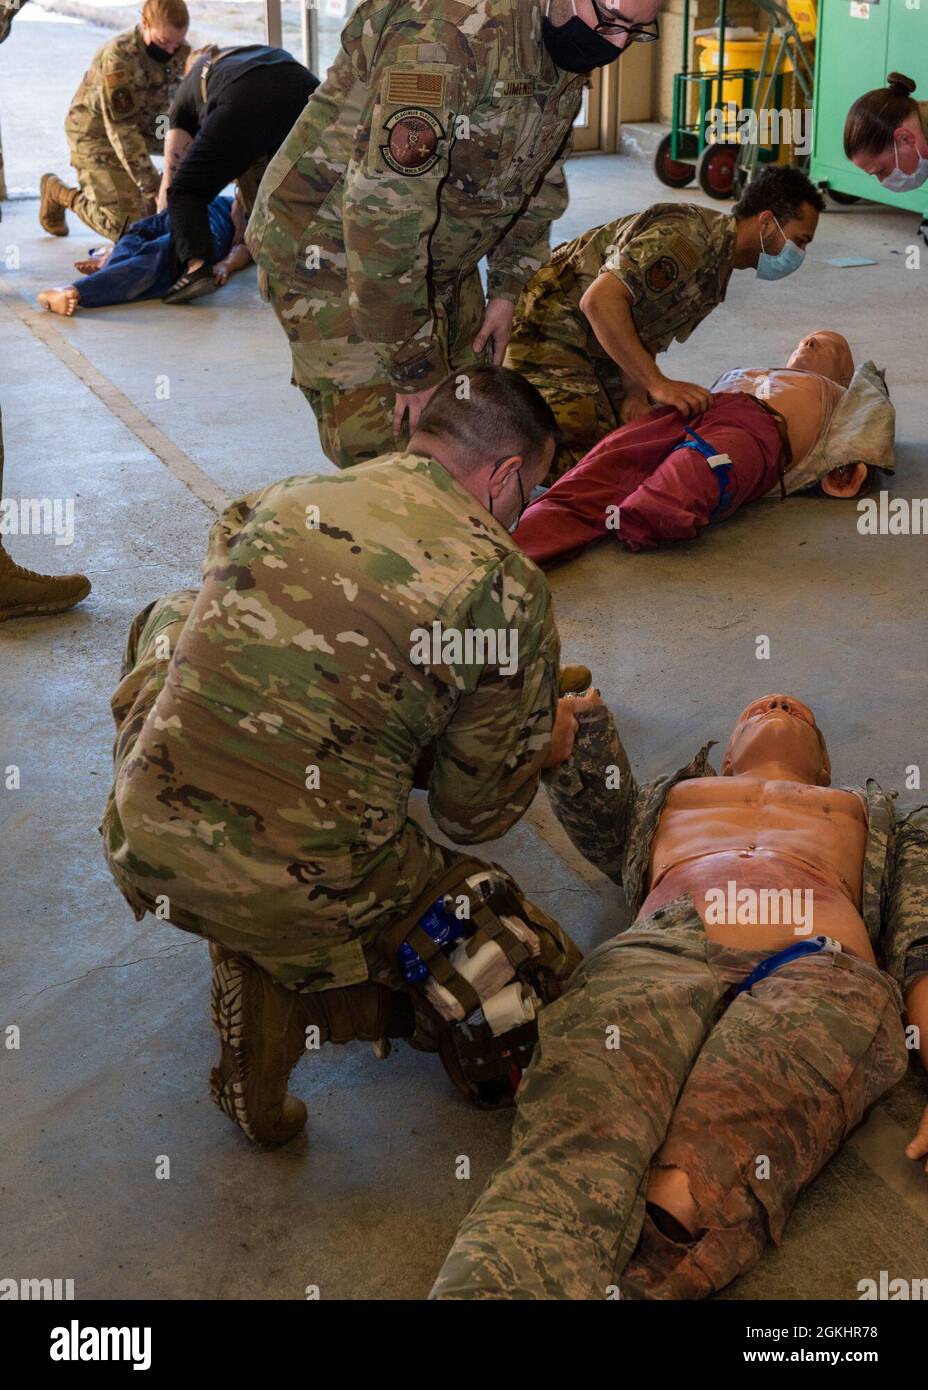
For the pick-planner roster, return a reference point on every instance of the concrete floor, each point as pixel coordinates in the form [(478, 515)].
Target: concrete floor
[(116, 1044)]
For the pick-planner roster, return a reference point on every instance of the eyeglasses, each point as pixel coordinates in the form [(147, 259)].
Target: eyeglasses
[(611, 22)]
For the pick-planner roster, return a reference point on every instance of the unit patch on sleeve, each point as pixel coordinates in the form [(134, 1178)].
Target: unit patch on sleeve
[(661, 274), (122, 101), (119, 85), (412, 146)]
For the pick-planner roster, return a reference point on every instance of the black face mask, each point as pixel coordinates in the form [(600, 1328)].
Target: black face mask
[(160, 55), (576, 47)]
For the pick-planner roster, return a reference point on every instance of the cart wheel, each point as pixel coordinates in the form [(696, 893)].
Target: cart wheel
[(671, 171), (842, 198), (715, 170)]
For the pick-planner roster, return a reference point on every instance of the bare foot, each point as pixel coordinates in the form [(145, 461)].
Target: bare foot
[(91, 264), (63, 301), (669, 1189)]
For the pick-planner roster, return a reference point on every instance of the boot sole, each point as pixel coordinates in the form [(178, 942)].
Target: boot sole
[(54, 228), (30, 610), (192, 292), (228, 1004)]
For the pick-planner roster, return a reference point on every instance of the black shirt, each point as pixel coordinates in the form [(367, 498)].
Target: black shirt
[(188, 109)]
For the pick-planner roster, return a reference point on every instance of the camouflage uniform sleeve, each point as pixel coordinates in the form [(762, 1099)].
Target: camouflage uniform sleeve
[(488, 758), (594, 793), (9, 9), (906, 918), (526, 246), (657, 258), (392, 191), (122, 118)]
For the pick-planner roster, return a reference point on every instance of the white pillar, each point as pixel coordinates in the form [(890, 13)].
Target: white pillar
[(273, 27)]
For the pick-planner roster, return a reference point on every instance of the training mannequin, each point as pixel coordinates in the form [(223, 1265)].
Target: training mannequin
[(646, 482), (681, 1096)]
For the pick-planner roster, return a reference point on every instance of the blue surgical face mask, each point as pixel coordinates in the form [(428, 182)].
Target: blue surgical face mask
[(784, 263), (898, 182)]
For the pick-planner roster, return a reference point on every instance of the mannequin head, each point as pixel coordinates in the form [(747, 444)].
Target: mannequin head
[(777, 736), (826, 353)]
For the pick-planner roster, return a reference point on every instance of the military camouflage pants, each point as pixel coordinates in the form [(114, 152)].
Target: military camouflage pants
[(586, 397), (153, 636), (355, 426), (354, 406), (640, 1064), (108, 199)]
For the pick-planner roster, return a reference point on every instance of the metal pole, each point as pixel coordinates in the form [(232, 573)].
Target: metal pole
[(310, 18)]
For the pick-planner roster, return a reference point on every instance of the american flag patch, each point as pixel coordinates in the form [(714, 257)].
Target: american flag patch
[(416, 88), (685, 252)]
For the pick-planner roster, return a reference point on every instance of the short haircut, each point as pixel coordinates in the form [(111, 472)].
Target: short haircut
[(484, 409), (874, 118), (209, 50), (781, 188), (171, 12)]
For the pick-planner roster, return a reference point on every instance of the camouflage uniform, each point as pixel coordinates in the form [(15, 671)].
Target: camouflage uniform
[(269, 727), (819, 1040), (9, 9), (111, 131), (436, 139), (675, 259)]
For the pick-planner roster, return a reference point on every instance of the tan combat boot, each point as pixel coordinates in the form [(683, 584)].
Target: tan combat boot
[(54, 197), (261, 1028), (23, 592)]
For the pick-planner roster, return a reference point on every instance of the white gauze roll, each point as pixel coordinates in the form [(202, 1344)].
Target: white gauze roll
[(513, 1006)]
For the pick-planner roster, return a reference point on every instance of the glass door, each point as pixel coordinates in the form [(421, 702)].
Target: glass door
[(586, 126), (596, 129)]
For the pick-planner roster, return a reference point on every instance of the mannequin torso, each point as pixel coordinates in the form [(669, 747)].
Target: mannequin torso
[(763, 834), (805, 399)]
